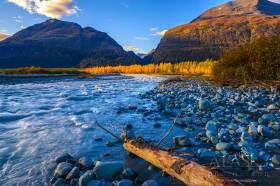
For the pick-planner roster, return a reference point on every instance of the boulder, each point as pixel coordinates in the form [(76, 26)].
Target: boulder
[(85, 163), (107, 170), (63, 158), (86, 178), (62, 169), (60, 182), (128, 173), (74, 173)]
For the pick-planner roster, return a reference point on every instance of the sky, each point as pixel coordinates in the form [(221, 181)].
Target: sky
[(137, 25)]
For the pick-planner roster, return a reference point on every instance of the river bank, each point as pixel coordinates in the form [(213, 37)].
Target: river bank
[(232, 130)]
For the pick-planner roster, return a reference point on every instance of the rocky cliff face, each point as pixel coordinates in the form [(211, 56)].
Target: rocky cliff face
[(218, 29), (57, 43)]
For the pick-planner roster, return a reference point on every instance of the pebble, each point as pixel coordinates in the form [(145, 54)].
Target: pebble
[(74, 173), (276, 159), (123, 182), (223, 146)]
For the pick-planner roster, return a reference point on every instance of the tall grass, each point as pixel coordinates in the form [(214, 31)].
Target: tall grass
[(183, 68)]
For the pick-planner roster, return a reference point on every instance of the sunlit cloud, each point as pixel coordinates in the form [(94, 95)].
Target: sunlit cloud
[(49, 8), (275, 1), (142, 38), (133, 48), (160, 33), (18, 19), (153, 29)]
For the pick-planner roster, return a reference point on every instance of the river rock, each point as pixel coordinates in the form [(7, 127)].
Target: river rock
[(60, 182), (150, 183), (74, 173), (276, 159), (206, 153), (86, 178), (62, 169), (204, 104), (74, 182), (123, 182), (128, 173), (99, 183), (182, 141), (211, 126), (107, 170), (264, 131), (85, 163), (223, 146), (273, 107), (63, 158), (251, 153)]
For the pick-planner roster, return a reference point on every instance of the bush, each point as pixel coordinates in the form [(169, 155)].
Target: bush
[(258, 60)]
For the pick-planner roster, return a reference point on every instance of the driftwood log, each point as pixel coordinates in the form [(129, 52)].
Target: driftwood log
[(189, 172)]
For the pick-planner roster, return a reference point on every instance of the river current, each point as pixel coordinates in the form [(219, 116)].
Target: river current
[(43, 117)]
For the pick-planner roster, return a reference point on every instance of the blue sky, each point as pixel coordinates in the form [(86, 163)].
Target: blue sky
[(134, 24)]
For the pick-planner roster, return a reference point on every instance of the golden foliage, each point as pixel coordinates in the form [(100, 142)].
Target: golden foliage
[(183, 68)]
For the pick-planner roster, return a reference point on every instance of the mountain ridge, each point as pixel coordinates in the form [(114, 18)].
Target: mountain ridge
[(56, 43), (214, 31)]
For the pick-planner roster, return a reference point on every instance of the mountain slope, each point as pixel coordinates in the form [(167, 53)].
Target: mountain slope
[(218, 29), (57, 43), (3, 36)]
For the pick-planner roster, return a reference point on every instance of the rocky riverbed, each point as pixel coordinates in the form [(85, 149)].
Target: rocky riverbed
[(232, 130)]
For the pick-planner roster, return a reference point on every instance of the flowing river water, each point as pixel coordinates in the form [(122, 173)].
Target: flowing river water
[(42, 117)]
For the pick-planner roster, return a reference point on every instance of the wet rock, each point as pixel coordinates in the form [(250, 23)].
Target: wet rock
[(264, 131), (74, 182), (211, 126), (123, 182), (182, 141), (99, 183), (206, 153), (107, 170), (150, 183), (85, 163), (128, 126), (223, 146), (276, 159), (157, 125), (63, 158), (86, 178), (53, 180), (251, 153), (62, 169), (273, 107), (60, 182), (74, 173), (204, 104), (264, 156), (128, 173)]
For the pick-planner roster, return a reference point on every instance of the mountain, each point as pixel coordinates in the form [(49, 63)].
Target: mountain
[(3, 36), (218, 29), (56, 43)]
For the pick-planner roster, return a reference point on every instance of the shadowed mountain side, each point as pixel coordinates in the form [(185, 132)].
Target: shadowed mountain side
[(57, 43)]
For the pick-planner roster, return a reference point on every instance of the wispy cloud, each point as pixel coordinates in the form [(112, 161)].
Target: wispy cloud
[(142, 38), (160, 33), (153, 29), (275, 1), (18, 19), (133, 48), (49, 8)]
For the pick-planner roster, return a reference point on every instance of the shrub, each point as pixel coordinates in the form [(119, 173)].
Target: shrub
[(257, 60)]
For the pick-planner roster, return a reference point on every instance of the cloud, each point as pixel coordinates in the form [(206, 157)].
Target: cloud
[(153, 29), (49, 8), (275, 1), (18, 19), (160, 33), (142, 38), (133, 48)]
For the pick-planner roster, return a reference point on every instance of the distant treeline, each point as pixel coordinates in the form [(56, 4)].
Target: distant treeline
[(183, 68), (257, 60), (38, 70)]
